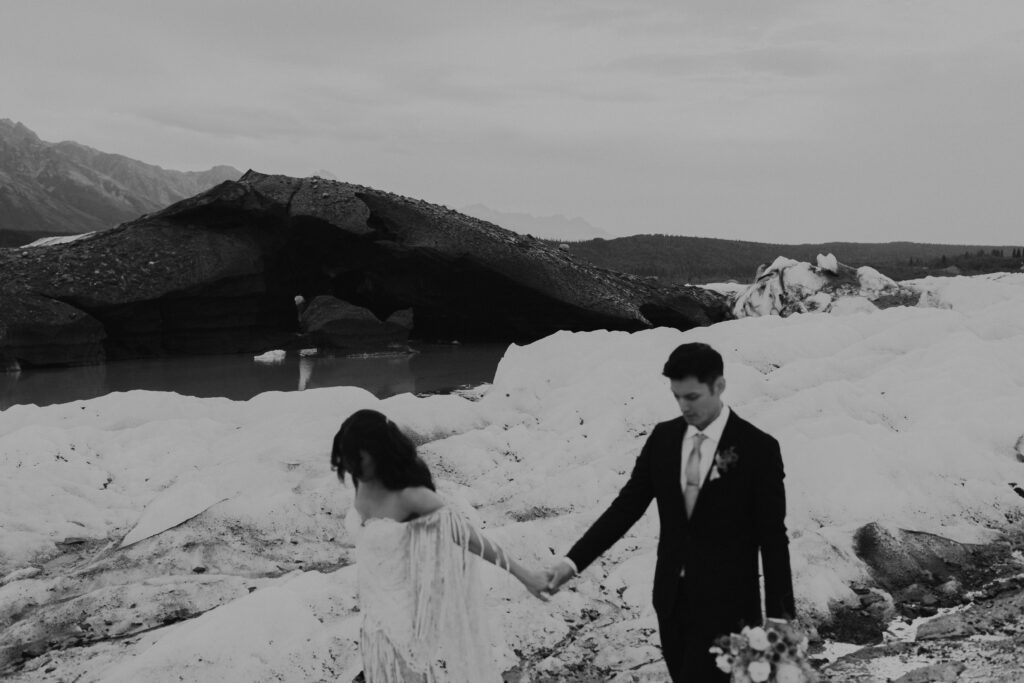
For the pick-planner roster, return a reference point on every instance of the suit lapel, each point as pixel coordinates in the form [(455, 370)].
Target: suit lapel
[(724, 443), (674, 466)]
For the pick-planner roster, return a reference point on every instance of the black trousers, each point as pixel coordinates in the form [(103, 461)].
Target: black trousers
[(686, 636)]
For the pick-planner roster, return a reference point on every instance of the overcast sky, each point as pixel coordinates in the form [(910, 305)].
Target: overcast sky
[(770, 120)]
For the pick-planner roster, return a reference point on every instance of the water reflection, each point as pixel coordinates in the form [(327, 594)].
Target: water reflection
[(434, 368)]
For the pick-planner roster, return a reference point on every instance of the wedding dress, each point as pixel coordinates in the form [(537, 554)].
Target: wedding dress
[(422, 602)]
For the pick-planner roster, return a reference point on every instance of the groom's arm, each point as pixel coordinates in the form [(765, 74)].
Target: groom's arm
[(770, 516), (631, 503)]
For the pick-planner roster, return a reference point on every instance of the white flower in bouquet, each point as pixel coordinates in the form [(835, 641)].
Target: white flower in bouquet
[(724, 662), (757, 638), (759, 671)]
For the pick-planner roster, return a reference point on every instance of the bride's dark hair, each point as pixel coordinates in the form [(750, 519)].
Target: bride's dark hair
[(395, 462)]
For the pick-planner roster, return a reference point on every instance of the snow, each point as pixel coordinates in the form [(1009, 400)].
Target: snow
[(873, 283), (173, 506), (57, 239), (788, 286), (828, 263), (904, 416), (729, 288), (269, 634)]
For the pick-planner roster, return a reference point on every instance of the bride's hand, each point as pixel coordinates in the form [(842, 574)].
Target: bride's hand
[(535, 582)]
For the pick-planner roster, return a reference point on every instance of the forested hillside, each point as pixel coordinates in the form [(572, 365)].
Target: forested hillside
[(697, 260)]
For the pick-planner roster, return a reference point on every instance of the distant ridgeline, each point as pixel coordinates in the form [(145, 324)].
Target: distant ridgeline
[(62, 188), (272, 262), (697, 260)]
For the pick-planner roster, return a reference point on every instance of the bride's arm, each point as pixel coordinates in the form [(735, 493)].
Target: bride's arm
[(478, 544), (422, 501)]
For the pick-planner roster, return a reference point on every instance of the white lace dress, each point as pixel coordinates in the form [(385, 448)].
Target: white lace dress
[(422, 602)]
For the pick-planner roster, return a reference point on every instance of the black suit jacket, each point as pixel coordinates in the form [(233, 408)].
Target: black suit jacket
[(738, 514)]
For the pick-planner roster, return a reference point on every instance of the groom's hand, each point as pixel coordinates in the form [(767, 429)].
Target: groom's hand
[(558, 574), (536, 583)]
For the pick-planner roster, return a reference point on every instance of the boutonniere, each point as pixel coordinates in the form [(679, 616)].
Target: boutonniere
[(724, 461)]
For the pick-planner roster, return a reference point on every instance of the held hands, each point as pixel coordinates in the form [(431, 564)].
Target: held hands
[(557, 575), (543, 584), (535, 581)]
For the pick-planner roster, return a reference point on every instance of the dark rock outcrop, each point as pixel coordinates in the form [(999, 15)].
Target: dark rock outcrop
[(219, 272), (916, 574), (905, 558), (36, 330), (334, 323)]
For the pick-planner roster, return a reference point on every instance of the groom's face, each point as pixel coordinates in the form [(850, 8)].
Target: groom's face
[(699, 403)]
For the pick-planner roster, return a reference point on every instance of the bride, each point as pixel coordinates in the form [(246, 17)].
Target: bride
[(421, 599)]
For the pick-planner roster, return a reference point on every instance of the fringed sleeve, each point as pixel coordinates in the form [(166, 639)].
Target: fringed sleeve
[(449, 620)]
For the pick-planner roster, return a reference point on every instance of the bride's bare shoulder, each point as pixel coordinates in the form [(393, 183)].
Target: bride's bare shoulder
[(420, 501)]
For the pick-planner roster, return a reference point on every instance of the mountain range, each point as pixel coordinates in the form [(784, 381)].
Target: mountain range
[(67, 188), (53, 188)]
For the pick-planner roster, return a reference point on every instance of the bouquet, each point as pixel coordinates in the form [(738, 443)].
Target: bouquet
[(776, 653)]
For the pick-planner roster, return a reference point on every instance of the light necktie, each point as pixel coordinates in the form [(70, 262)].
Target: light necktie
[(693, 474)]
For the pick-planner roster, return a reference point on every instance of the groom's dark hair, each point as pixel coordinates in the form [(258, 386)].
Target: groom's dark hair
[(694, 360)]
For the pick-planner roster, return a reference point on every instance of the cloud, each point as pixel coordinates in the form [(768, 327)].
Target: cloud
[(219, 120), (787, 62), (783, 120)]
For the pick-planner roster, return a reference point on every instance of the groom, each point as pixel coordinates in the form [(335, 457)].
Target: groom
[(717, 480)]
